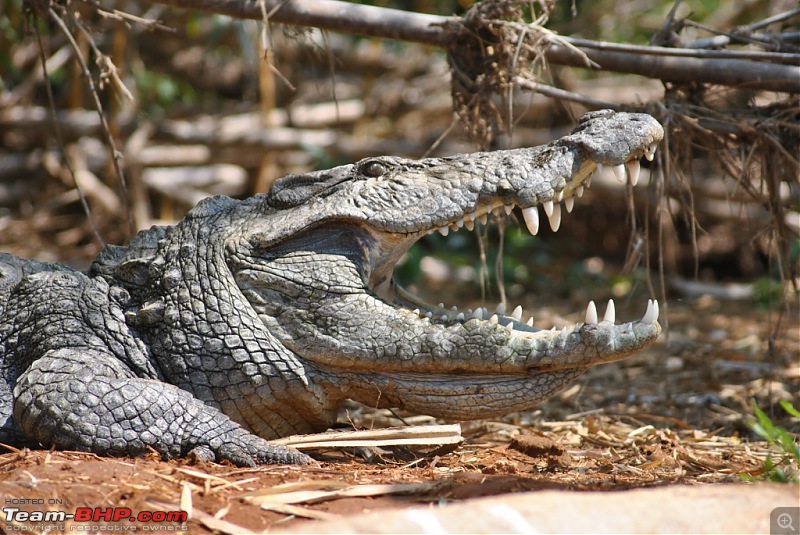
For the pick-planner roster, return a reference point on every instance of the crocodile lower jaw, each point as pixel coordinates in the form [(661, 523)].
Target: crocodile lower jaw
[(513, 323)]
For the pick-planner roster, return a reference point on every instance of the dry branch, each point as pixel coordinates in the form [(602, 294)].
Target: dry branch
[(682, 65), (393, 436)]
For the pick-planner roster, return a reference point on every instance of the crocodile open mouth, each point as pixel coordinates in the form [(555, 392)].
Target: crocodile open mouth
[(512, 319)]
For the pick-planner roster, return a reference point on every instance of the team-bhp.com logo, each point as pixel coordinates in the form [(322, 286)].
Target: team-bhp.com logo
[(84, 518)]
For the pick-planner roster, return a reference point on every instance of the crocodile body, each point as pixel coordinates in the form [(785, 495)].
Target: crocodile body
[(254, 319)]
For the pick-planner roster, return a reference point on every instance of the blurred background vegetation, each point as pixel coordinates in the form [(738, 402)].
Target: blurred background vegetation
[(196, 106)]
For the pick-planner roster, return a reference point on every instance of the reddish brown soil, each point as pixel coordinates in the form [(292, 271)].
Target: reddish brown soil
[(673, 414)]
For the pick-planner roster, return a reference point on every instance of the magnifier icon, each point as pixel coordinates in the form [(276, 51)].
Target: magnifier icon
[(785, 521)]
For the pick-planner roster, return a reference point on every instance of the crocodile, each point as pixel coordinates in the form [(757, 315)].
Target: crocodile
[(255, 319)]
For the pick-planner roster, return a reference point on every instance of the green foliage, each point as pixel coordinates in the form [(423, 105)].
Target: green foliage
[(521, 251), (768, 292), (159, 92), (787, 468)]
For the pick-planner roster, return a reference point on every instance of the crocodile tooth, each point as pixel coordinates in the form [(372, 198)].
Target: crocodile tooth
[(454, 308), (508, 208), (619, 172), (445, 317), (611, 312), (650, 152), (429, 314), (517, 314), (548, 207), (469, 224), (599, 167), (651, 315), (553, 328), (529, 323), (633, 171), (579, 191), (416, 311), (460, 316), (501, 309), (648, 314), (459, 223), (440, 305), (555, 218), (509, 328), (484, 218), (569, 203), (560, 196), (493, 319), (591, 314), (531, 217), (444, 231), (478, 314), (566, 331)]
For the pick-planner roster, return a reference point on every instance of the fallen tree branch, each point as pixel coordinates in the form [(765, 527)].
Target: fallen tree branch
[(420, 435), (683, 65)]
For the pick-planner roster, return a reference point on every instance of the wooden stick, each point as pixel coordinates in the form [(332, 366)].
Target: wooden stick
[(390, 436)]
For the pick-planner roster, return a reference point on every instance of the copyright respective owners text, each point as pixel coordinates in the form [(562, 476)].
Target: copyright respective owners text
[(49, 515)]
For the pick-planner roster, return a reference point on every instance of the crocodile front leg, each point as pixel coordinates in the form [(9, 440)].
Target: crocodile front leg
[(80, 379), (85, 400)]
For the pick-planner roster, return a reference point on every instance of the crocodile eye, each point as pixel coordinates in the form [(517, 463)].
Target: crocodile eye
[(374, 169)]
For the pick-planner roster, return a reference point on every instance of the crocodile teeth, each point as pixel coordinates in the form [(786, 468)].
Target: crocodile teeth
[(560, 196), (517, 314), (444, 231), (529, 323), (569, 203), (548, 208), (599, 167), (579, 191), (651, 315), (555, 217), (508, 208), (633, 171), (494, 319), (591, 314), (650, 153), (611, 312), (483, 219), (501, 309), (478, 314), (619, 172), (460, 316), (469, 224), (531, 217)]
